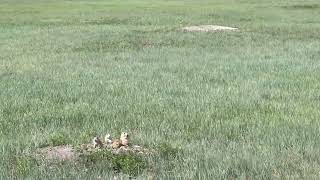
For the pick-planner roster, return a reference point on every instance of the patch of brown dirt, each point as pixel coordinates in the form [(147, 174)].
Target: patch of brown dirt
[(62, 153), (68, 152)]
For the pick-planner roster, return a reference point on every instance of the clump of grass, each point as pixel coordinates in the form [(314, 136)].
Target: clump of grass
[(58, 139), (21, 165), (87, 134), (129, 163), (95, 157), (169, 152)]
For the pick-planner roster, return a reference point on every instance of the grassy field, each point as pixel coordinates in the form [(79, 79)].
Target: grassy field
[(227, 105)]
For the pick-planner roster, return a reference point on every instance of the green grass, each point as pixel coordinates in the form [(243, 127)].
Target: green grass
[(226, 105), (130, 164)]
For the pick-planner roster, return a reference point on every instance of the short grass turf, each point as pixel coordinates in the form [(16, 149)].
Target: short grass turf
[(230, 105)]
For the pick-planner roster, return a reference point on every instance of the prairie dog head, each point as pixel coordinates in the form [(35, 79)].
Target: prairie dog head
[(124, 135)]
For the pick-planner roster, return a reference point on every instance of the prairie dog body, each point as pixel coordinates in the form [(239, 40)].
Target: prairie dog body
[(97, 142), (107, 139), (116, 144), (123, 141), (124, 138)]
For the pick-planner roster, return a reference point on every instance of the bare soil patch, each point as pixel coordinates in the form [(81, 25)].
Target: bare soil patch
[(208, 28), (69, 153), (63, 153)]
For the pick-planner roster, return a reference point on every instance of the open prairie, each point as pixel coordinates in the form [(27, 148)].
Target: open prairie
[(213, 105)]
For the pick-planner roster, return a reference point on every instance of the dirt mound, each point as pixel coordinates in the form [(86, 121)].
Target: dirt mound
[(63, 153), (208, 28), (68, 152)]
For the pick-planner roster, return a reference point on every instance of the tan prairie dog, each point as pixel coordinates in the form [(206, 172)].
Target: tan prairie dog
[(123, 141), (116, 144), (124, 138)]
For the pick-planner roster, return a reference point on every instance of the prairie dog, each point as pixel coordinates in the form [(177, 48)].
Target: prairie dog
[(124, 138), (116, 144), (96, 142), (107, 139)]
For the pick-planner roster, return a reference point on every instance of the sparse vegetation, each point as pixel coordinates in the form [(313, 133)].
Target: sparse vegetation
[(58, 139), (21, 165), (129, 163), (168, 152)]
